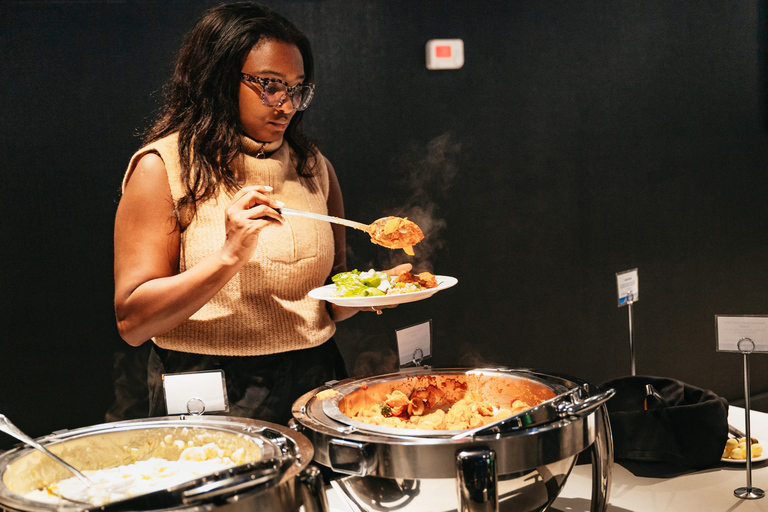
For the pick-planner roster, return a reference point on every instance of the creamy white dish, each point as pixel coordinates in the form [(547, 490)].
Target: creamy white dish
[(141, 477)]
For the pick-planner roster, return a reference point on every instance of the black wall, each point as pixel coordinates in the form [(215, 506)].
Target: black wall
[(580, 139)]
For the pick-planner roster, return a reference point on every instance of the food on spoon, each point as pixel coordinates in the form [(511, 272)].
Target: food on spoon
[(737, 448), (396, 233), (372, 283)]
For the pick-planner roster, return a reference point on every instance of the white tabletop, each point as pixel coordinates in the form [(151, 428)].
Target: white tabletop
[(707, 490)]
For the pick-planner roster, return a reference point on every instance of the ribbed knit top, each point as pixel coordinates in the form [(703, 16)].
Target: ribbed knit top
[(264, 308)]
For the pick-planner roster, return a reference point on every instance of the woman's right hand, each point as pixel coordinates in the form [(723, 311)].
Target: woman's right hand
[(250, 211)]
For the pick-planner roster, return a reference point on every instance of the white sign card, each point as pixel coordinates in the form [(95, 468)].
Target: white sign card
[(732, 329), (195, 392), (414, 343), (628, 286)]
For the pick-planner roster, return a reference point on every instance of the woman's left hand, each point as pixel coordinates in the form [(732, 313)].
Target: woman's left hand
[(342, 313)]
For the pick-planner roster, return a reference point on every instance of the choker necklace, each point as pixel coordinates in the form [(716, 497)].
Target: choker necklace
[(258, 148)]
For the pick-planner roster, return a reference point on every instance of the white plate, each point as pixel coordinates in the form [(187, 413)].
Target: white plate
[(744, 461), (326, 293)]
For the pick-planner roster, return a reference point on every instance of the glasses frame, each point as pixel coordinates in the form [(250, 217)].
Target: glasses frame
[(289, 91)]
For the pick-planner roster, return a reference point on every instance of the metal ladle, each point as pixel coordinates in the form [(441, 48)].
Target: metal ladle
[(13, 431)]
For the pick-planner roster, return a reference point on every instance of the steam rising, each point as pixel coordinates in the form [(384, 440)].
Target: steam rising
[(428, 177), (376, 361)]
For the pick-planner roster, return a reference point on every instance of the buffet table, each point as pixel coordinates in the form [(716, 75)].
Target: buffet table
[(650, 488), (710, 489)]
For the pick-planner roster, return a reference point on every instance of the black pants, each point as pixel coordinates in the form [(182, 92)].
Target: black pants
[(258, 387)]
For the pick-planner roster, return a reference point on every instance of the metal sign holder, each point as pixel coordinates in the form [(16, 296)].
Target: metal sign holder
[(744, 334), (195, 393), (628, 288), (414, 344), (630, 301), (418, 357), (195, 406), (746, 346)]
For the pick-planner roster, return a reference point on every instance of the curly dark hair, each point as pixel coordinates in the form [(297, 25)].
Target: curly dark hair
[(202, 96)]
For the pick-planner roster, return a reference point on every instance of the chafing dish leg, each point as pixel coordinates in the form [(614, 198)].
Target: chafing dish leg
[(312, 490), (477, 489), (602, 461)]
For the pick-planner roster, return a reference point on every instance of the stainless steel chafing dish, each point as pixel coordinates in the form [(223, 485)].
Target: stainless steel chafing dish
[(520, 463), (277, 475)]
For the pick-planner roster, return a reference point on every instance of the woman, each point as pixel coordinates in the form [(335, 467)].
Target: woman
[(204, 264)]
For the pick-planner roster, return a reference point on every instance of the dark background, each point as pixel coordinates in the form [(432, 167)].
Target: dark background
[(580, 139)]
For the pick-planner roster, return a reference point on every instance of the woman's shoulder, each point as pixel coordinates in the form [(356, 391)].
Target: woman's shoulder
[(168, 142), (167, 148), (149, 173), (155, 156)]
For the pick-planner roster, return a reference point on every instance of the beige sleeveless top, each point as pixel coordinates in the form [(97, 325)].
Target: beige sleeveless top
[(264, 308)]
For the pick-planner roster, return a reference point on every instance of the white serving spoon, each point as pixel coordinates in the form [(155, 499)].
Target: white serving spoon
[(376, 230)]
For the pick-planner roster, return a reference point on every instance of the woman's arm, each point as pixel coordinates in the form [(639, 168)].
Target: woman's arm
[(151, 296)]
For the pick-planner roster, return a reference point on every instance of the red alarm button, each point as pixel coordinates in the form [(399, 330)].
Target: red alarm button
[(443, 51)]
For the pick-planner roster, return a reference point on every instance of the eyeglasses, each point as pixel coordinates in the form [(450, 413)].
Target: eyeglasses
[(274, 91)]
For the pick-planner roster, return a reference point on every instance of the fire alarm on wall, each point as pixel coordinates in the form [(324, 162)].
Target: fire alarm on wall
[(445, 53)]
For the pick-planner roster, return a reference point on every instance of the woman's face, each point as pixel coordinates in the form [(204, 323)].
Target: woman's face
[(269, 59)]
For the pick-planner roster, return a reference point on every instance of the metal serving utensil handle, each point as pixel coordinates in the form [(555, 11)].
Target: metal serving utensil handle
[(518, 419), (326, 218), (584, 407), (13, 431), (270, 471)]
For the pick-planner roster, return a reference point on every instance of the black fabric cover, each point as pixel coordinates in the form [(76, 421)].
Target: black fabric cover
[(690, 431)]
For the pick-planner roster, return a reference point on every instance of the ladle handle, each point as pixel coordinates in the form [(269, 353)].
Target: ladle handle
[(13, 431), (326, 218)]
